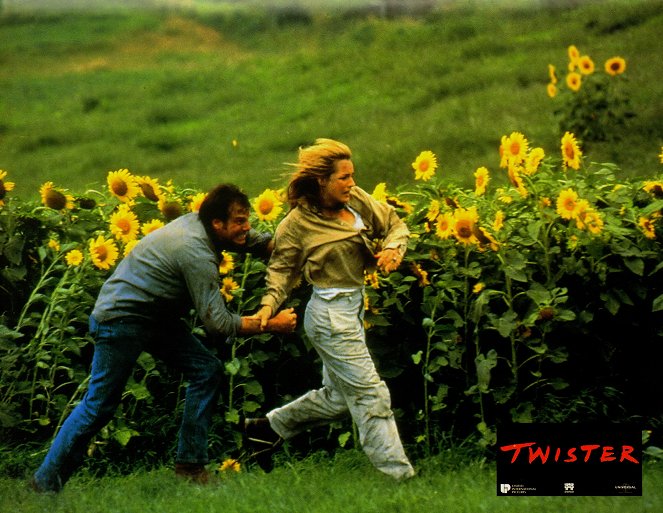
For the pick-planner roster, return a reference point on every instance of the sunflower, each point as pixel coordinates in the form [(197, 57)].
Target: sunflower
[(464, 221), (380, 192), (433, 210), (170, 208), (230, 464), (424, 165), (654, 188), (533, 161), (54, 245), (567, 204), (551, 89), (56, 199), (481, 179), (151, 226), (444, 227), (124, 224), (615, 66), (593, 221), (498, 223), (570, 151), (420, 274), (660, 155), (227, 263), (227, 287), (122, 185), (503, 196), (574, 81), (484, 238), (196, 201), (149, 187), (516, 148), (74, 257), (504, 142), (104, 252), (5, 187), (268, 205), (574, 53), (647, 227), (586, 65), (552, 74), (515, 176), (478, 287), (372, 279), (129, 246)]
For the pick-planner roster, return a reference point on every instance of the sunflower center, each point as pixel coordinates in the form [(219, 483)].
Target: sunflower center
[(568, 151), (424, 165), (55, 200), (569, 205), (515, 148), (266, 206), (124, 225), (102, 253), (464, 230), (120, 187), (149, 192)]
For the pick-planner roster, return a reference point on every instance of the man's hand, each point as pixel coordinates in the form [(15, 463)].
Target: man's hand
[(283, 322), (264, 314), (388, 260)]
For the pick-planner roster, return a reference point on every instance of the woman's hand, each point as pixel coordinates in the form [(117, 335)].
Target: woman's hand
[(264, 314), (388, 260)]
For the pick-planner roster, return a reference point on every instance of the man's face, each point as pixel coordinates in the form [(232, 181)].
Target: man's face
[(234, 230)]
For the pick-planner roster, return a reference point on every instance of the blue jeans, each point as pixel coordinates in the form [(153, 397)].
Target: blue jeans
[(118, 344)]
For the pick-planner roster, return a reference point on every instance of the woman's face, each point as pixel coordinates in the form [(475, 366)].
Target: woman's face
[(335, 190)]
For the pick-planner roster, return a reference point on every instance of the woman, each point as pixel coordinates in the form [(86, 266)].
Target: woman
[(334, 232)]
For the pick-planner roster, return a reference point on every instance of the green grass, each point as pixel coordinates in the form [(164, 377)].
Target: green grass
[(345, 483), (165, 93)]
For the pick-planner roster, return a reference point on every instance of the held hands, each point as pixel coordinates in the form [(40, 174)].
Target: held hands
[(283, 322), (388, 260)]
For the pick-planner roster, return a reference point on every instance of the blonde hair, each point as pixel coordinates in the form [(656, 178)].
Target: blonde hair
[(315, 162)]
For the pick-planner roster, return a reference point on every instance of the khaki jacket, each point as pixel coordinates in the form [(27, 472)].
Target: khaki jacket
[(328, 252)]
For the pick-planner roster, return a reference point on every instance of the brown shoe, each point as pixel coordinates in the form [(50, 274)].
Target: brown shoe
[(194, 472)]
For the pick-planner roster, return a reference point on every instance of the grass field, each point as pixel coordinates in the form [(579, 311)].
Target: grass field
[(202, 95), (345, 483)]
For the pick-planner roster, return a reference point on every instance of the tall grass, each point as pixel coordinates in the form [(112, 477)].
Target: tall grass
[(318, 485), (203, 96)]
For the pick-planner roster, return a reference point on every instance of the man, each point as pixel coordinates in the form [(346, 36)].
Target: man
[(140, 308)]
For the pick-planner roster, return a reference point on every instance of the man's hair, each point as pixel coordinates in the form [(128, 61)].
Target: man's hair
[(218, 201), (315, 161)]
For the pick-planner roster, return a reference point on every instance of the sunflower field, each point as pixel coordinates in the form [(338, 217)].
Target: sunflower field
[(539, 299)]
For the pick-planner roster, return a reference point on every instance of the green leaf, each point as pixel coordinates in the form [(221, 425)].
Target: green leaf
[(416, 357), (636, 265), (657, 305), (343, 438), (233, 366)]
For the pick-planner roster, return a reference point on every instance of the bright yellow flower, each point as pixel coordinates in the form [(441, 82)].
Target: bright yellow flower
[(227, 263), (552, 74), (660, 155), (586, 65), (124, 224), (574, 55), (425, 165), (227, 287), (647, 227), (420, 274), (498, 223), (574, 81), (444, 227), (503, 196), (103, 252), (464, 222), (533, 161), (74, 257), (54, 245), (268, 205), (433, 210), (196, 201), (372, 279), (481, 179), (478, 287), (516, 148), (504, 154), (122, 185), (567, 204), (570, 151), (149, 187), (5, 187), (129, 246), (654, 188), (515, 176), (380, 192), (230, 464), (152, 225), (593, 221), (551, 89), (615, 66), (55, 198)]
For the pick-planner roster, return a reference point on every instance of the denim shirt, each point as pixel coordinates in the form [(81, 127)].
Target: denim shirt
[(168, 272)]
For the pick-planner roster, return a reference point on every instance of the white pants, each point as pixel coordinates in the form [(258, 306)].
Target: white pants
[(350, 385)]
